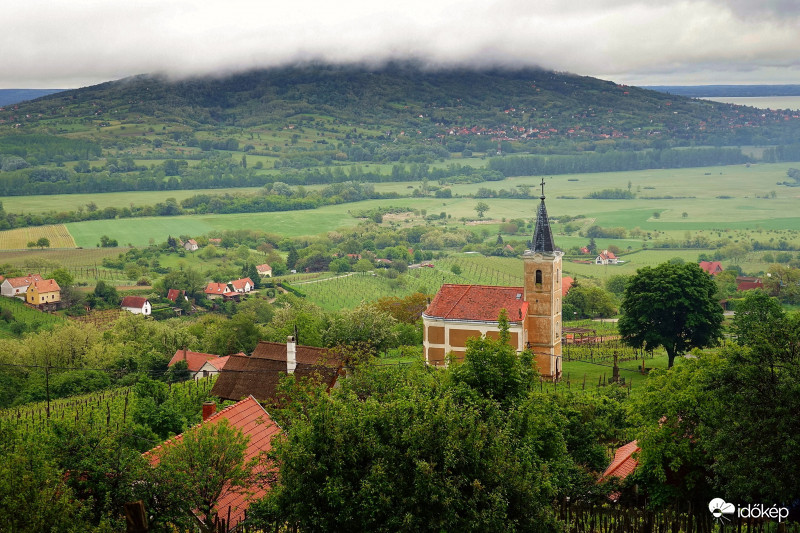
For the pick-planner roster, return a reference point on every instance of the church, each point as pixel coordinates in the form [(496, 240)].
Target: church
[(459, 312)]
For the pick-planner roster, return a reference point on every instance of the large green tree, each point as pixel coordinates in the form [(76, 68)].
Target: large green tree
[(671, 306)]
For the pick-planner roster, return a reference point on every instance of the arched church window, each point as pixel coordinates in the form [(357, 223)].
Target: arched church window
[(538, 277)]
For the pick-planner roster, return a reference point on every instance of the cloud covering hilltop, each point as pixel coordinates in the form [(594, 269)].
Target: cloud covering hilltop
[(75, 43)]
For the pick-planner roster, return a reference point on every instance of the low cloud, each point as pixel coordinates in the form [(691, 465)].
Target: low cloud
[(75, 43)]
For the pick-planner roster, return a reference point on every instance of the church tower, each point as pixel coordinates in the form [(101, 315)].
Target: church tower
[(543, 295)]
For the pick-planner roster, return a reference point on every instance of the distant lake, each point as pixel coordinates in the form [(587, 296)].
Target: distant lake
[(761, 102)]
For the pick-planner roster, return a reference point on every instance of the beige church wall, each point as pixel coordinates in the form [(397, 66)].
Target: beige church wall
[(435, 334)]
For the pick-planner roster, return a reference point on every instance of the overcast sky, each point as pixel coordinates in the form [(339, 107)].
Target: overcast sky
[(74, 43)]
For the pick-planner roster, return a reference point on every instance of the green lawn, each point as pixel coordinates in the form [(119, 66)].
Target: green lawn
[(575, 371)]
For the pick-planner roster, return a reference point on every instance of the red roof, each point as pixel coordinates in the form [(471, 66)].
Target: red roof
[(605, 254), (196, 360), (712, 267), (255, 423), (216, 288), (477, 302), (24, 281), (566, 285), (136, 302), (238, 284), (623, 464), (174, 294), (264, 268), (749, 285), (46, 285)]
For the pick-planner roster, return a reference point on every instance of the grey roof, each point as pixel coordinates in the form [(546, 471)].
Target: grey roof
[(542, 236)]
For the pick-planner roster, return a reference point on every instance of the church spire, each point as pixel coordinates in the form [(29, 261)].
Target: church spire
[(542, 236)]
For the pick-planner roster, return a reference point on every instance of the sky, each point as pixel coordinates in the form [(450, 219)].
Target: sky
[(75, 43)]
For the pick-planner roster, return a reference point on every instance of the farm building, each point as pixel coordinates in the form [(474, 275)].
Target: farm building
[(200, 365), (459, 312), (190, 245), (138, 305), (622, 465), (175, 294), (255, 423), (258, 375), (17, 287), (44, 293)]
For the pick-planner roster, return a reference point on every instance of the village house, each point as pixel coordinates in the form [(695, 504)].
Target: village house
[(242, 286), (264, 270), (259, 374), (621, 466), (190, 245), (606, 258), (200, 365), (712, 267), (459, 312), (44, 293), (215, 291), (138, 305), (17, 287), (748, 283), (175, 294), (257, 426)]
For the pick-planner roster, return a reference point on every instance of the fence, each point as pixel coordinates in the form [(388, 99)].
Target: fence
[(580, 518)]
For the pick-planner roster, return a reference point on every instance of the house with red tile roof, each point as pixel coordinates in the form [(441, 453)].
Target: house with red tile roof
[(606, 258), (138, 305), (190, 245), (264, 270), (44, 292), (17, 287), (174, 294), (256, 424), (215, 291), (622, 465), (460, 312), (566, 285), (242, 286), (712, 267), (200, 364)]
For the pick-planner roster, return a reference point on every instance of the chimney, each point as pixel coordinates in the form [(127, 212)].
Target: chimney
[(184, 353), (291, 354), (209, 408)]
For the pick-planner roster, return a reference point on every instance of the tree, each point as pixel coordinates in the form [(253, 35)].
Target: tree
[(673, 306), (292, 258), (755, 316), (481, 208), (43, 242), (192, 474), (62, 277), (590, 302)]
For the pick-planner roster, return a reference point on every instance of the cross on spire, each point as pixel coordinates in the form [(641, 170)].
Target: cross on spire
[(542, 188)]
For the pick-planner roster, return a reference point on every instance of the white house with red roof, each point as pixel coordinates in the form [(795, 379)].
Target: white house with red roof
[(264, 270), (242, 286), (200, 364), (460, 312), (606, 258), (138, 305), (258, 427), (190, 245), (17, 287)]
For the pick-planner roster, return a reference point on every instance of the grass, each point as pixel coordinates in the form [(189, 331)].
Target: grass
[(574, 372), (18, 239)]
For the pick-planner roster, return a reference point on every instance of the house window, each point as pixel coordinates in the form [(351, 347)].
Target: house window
[(538, 277)]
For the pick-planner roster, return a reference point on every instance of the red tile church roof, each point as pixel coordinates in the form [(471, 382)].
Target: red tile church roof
[(477, 302)]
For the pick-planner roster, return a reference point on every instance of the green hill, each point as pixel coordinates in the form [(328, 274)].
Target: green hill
[(426, 104)]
